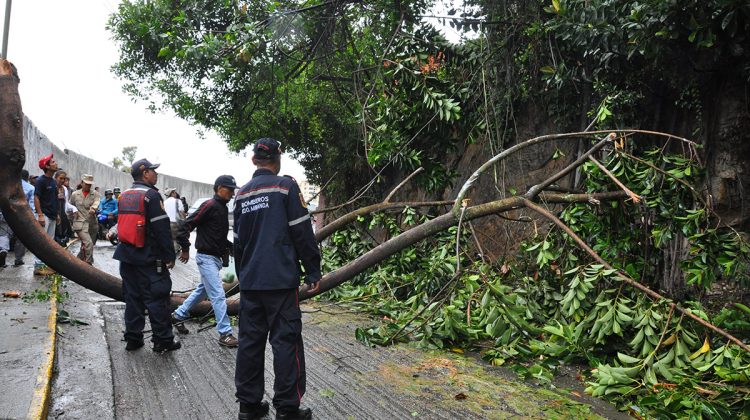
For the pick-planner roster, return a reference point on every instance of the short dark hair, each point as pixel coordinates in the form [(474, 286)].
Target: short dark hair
[(25, 175), (268, 160)]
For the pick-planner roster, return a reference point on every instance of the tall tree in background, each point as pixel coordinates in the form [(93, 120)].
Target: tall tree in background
[(329, 78), (123, 162)]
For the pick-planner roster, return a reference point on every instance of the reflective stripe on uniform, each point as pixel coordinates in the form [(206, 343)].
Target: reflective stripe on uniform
[(146, 199), (264, 190), (300, 220), (163, 216)]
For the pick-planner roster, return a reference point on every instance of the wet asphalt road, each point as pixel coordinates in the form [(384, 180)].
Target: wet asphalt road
[(96, 378)]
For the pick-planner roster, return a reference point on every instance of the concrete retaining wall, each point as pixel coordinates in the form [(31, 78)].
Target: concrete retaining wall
[(37, 145)]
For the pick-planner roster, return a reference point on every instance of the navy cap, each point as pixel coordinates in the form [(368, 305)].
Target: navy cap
[(266, 147), (225, 181), (141, 165)]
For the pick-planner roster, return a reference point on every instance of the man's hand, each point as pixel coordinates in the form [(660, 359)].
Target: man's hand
[(170, 265), (311, 287), (184, 255), (41, 220)]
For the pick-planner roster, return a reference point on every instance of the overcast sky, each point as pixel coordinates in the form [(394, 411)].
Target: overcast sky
[(63, 54)]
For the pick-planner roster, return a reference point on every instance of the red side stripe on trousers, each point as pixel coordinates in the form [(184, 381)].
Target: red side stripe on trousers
[(296, 356)]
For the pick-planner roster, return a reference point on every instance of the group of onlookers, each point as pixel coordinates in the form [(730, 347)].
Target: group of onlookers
[(64, 213)]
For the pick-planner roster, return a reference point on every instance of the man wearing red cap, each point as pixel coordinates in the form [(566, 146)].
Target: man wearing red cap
[(45, 203)]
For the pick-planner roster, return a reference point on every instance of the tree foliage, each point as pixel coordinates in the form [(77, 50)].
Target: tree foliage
[(316, 76), (361, 90), (551, 306), (124, 162)]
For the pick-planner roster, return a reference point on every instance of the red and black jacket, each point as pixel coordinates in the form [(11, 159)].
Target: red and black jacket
[(158, 243)]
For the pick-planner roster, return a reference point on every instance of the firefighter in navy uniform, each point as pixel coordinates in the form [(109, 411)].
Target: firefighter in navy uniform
[(146, 254), (272, 235)]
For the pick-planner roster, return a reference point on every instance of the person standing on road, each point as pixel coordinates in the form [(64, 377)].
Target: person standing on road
[(5, 234), (86, 201), (63, 230), (212, 221), (28, 191), (146, 255), (45, 203), (272, 234), (173, 207)]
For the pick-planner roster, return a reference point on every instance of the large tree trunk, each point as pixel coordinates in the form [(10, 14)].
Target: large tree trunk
[(672, 279)]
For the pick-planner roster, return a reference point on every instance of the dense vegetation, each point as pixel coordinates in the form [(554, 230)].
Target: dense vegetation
[(371, 90), (552, 305)]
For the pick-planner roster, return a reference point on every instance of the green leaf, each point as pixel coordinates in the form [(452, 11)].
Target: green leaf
[(547, 70), (624, 358)]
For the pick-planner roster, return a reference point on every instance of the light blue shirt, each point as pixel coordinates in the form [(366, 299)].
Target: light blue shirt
[(28, 190)]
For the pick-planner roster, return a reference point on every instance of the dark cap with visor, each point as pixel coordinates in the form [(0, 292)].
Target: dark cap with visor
[(266, 148), (141, 165)]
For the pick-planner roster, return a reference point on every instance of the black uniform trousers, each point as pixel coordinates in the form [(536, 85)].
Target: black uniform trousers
[(272, 315), (143, 288)]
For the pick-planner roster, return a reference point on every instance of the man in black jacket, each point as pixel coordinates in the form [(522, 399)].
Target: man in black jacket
[(212, 221), (272, 234), (146, 254)]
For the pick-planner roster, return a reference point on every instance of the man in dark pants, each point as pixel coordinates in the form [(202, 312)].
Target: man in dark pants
[(146, 254), (272, 234)]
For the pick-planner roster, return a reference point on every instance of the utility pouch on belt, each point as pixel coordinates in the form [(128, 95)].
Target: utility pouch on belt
[(131, 228)]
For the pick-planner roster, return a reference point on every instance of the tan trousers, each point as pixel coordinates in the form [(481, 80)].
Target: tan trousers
[(87, 246)]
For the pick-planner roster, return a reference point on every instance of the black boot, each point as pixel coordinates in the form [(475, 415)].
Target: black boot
[(3, 254), (294, 414), (253, 411), (133, 345), (163, 347)]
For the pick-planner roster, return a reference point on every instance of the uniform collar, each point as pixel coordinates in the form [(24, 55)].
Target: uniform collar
[(263, 171), (145, 184)]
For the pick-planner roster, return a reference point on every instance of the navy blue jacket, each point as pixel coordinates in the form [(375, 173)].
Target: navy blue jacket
[(159, 244), (272, 234), (46, 189), (212, 221)]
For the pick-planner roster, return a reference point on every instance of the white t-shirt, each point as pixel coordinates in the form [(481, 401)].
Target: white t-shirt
[(172, 207)]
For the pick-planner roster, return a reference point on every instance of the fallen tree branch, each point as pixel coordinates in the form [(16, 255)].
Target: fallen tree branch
[(536, 189), (548, 137), (398, 187), (344, 220), (633, 196), (627, 279), (438, 224)]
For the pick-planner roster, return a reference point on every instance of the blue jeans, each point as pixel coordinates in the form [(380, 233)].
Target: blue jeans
[(209, 267)]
